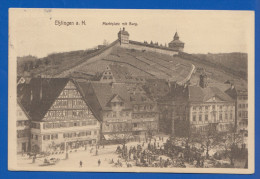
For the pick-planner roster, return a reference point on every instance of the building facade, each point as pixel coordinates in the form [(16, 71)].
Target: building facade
[(240, 95), (22, 129), (61, 117), (123, 36), (125, 113), (195, 109)]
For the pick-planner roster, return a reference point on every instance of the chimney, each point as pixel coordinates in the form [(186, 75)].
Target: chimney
[(203, 81)]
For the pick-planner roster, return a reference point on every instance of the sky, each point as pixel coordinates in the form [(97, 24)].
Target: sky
[(33, 31)]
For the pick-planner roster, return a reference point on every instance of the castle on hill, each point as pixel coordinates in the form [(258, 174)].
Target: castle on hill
[(173, 47)]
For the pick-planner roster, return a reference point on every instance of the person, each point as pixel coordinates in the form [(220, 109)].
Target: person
[(99, 162), (80, 164)]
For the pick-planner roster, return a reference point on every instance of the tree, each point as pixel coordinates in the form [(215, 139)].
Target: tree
[(210, 138), (25, 68), (30, 65), (123, 133), (105, 42), (46, 61), (230, 142)]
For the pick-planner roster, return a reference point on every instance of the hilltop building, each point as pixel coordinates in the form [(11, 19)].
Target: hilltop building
[(123, 36), (60, 115), (176, 44), (174, 47), (195, 109)]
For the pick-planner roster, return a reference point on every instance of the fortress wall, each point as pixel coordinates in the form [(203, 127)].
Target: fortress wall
[(157, 50)]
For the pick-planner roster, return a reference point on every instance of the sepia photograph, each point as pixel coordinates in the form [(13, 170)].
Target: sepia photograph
[(126, 90)]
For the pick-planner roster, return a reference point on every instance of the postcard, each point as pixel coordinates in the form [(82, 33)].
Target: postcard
[(126, 90)]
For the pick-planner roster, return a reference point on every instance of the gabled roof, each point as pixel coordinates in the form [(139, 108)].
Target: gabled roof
[(41, 93), (103, 93), (39, 96), (23, 109), (198, 94)]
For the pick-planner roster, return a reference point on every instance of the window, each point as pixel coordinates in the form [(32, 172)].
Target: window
[(114, 114), (240, 114), (246, 114), (200, 117), (213, 107), (206, 117), (194, 118), (200, 108), (231, 115), (206, 107), (135, 124), (220, 107), (194, 108), (226, 116), (220, 117), (36, 137)]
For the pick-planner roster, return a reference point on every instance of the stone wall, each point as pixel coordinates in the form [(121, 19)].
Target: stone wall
[(150, 49)]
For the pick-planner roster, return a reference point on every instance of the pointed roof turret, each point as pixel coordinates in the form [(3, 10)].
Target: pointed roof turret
[(176, 36)]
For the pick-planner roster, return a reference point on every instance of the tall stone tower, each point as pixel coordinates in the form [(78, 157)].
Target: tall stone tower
[(123, 36), (176, 44)]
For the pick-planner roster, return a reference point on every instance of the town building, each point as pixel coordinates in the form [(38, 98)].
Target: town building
[(240, 96), (195, 109), (22, 129), (125, 110), (60, 115), (176, 44)]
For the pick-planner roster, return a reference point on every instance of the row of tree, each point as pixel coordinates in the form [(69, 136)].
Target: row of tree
[(30, 65), (229, 144)]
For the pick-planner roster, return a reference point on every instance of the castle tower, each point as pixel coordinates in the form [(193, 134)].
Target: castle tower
[(176, 44), (123, 36)]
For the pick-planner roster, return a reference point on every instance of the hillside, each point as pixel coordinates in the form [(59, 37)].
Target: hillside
[(236, 62), (150, 65)]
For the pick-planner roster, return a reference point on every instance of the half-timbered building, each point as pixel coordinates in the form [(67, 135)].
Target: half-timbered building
[(61, 116)]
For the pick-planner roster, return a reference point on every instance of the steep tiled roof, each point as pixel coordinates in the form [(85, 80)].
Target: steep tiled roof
[(104, 92), (198, 94), (40, 94), (176, 42)]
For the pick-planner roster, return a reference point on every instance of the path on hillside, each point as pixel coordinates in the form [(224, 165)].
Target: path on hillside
[(189, 75)]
